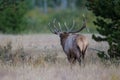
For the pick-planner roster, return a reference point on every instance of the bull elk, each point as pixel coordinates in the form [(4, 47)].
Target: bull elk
[(74, 45)]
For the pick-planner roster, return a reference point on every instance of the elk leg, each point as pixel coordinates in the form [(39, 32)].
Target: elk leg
[(83, 56), (69, 59), (83, 53), (74, 60), (78, 55), (78, 58)]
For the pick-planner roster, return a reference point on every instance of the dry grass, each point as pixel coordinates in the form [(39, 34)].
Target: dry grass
[(47, 61), (60, 72)]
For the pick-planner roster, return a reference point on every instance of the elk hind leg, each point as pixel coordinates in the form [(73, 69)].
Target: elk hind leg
[(78, 57), (83, 53), (78, 54)]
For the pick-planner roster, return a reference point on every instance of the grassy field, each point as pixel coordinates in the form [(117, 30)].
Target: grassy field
[(40, 57)]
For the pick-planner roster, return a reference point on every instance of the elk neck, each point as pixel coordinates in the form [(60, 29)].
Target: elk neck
[(63, 38)]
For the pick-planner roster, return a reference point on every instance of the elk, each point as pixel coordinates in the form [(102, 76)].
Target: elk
[(74, 45)]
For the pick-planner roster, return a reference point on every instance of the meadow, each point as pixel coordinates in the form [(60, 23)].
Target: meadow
[(40, 57)]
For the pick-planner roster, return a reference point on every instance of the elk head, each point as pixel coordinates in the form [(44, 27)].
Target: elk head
[(74, 45)]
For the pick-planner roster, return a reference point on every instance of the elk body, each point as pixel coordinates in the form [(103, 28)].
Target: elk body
[(74, 45)]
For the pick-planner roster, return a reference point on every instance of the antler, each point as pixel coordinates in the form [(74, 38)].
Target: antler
[(83, 26), (55, 27)]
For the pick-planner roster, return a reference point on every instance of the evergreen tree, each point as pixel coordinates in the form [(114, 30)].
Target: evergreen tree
[(11, 15), (108, 22)]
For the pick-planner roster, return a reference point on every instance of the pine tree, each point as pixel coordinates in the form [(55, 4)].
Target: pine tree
[(107, 14), (11, 15)]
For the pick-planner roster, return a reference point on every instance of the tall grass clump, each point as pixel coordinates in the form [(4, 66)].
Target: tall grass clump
[(12, 57)]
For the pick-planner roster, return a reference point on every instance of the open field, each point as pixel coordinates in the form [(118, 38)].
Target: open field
[(45, 60)]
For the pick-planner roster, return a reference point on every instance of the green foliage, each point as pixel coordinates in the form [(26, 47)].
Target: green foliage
[(102, 55), (80, 3), (108, 22), (23, 16), (37, 22), (11, 15)]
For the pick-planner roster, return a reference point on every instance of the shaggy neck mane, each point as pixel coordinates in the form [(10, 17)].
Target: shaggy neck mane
[(63, 38)]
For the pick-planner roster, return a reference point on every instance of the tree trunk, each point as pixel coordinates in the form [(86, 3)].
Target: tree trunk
[(45, 6), (33, 3), (64, 4), (73, 4)]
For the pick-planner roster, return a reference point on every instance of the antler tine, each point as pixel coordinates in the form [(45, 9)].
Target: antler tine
[(50, 28), (84, 19), (65, 24), (60, 26), (83, 26), (53, 27), (73, 25), (54, 22), (87, 29)]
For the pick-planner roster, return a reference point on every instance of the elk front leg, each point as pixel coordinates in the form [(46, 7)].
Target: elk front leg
[(72, 60)]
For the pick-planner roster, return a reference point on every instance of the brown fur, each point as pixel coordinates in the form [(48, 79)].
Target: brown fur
[(74, 46), (82, 42)]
